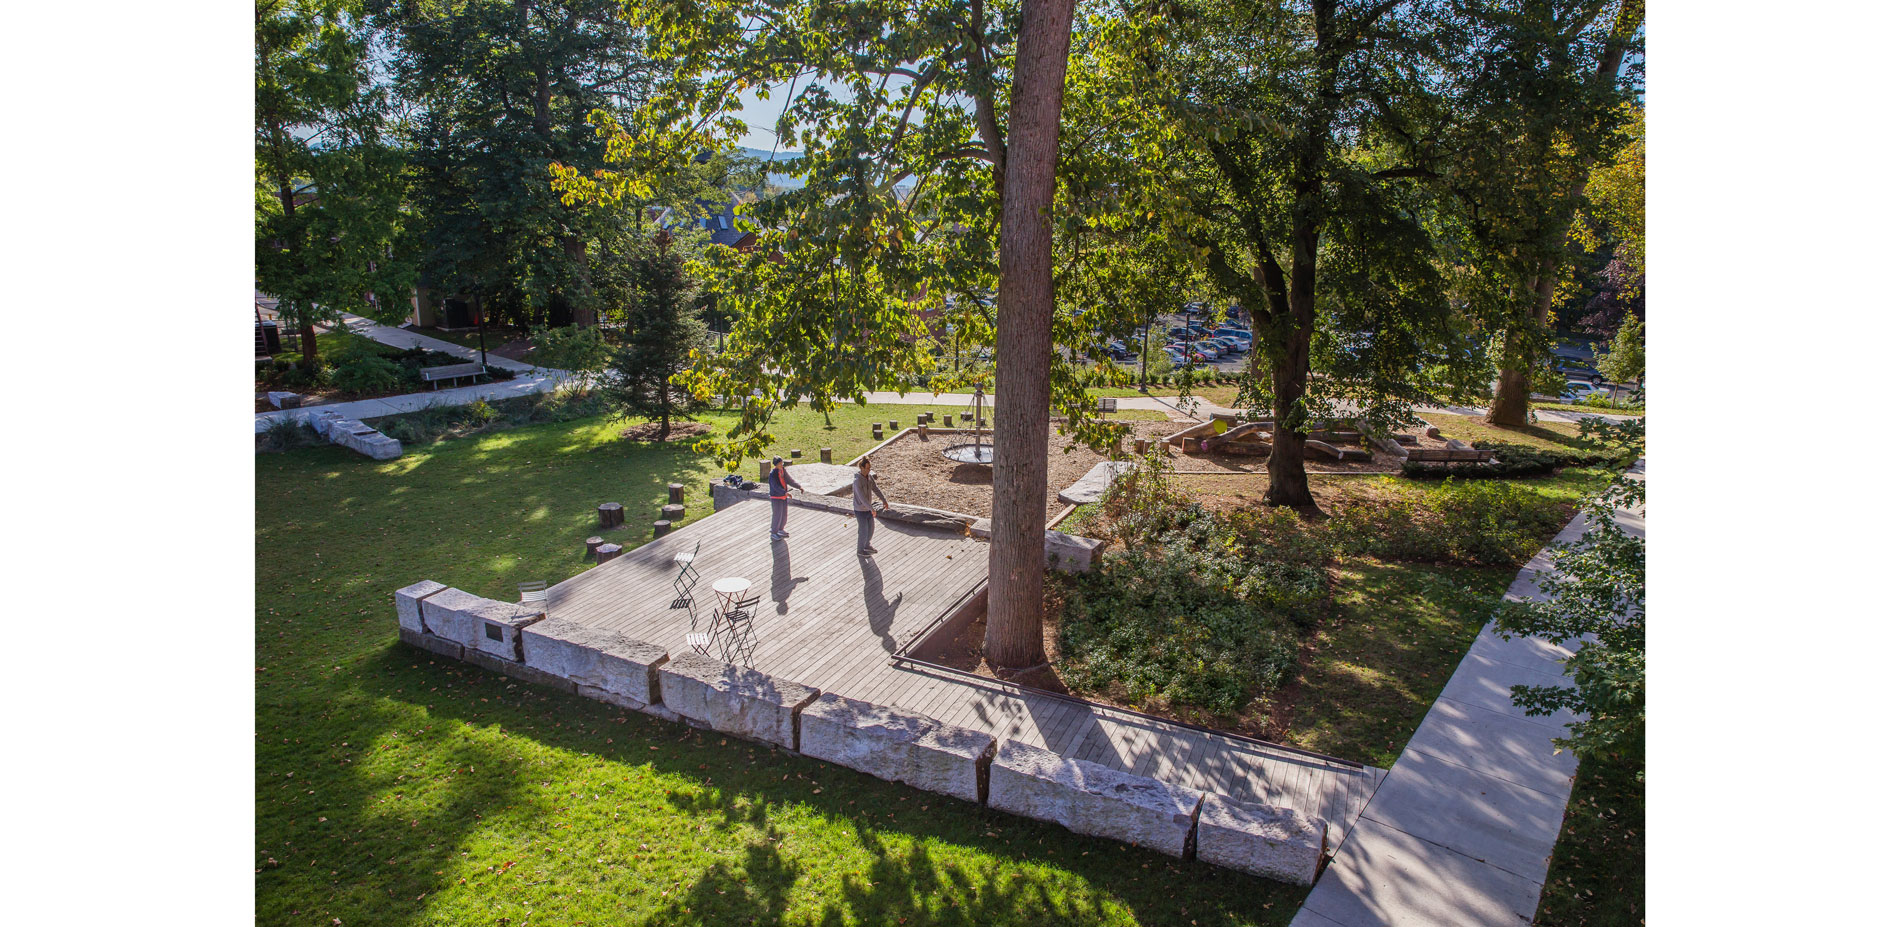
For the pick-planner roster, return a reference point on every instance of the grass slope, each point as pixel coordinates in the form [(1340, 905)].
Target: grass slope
[(397, 788), (1596, 871)]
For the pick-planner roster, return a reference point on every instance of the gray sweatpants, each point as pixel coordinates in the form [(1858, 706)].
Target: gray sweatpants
[(867, 522), (781, 510)]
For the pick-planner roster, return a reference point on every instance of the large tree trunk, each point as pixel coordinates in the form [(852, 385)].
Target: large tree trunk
[(1286, 466), (1025, 307), (580, 302), (1511, 397)]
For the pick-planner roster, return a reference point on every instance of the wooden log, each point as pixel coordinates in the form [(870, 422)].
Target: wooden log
[(611, 514), (593, 544), (676, 493), (1141, 446), (765, 467), (893, 424), (824, 454), (796, 454), (673, 513), (877, 432), (606, 552), (661, 527)]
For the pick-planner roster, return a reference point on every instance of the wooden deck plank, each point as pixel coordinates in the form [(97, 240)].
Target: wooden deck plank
[(824, 636)]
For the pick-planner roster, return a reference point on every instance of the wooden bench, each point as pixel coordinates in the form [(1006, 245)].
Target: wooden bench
[(451, 372)]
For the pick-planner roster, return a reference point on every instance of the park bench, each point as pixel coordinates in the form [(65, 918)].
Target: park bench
[(451, 372)]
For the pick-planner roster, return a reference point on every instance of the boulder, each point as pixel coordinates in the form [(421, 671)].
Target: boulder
[(1094, 484), (409, 604), (1089, 798), (602, 664), (1070, 553), (734, 699), (929, 517), (479, 624), (823, 479), (282, 400), (1277, 843), (897, 746)]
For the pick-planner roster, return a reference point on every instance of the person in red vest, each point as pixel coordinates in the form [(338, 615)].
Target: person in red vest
[(777, 481)]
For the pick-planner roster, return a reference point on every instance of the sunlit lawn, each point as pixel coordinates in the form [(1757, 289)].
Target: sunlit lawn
[(397, 788)]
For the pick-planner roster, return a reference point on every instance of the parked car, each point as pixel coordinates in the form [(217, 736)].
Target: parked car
[(1574, 371), (1580, 389), (1175, 355), (1207, 353)]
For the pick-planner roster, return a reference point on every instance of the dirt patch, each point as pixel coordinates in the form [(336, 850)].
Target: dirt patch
[(650, 431), (913, 469)]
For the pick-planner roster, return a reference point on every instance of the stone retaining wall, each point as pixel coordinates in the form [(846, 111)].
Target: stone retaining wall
[(1089, 798), (734, 699), (354, 435), (897, 746), (890, 743)]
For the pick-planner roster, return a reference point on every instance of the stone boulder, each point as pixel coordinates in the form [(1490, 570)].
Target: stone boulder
[(897, 746), (823, 479), (1094, 484), (734, 699), (1070, 553), (1277, 843), (478, 624), (1089, 798), (929, 517), (602, 664), (409, 604), (283, 400)]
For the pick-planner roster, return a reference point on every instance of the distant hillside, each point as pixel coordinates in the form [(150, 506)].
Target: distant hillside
[(786, 180), (780, 180)]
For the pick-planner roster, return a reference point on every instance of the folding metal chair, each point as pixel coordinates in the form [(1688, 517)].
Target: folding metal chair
[(687, 576), (534, 593)]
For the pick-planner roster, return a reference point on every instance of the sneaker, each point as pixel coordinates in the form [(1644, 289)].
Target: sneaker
[(866, 551)]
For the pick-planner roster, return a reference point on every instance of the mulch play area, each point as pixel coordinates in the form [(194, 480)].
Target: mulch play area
[(913, 469)]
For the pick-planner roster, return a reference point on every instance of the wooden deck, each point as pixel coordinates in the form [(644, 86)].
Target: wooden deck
[(832, 620)]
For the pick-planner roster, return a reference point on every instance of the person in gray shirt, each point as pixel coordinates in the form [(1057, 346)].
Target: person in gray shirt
[(863, 485)]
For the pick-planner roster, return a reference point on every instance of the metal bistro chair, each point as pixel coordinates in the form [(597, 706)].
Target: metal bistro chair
[(534, 593), (738, 642), (688, 575)]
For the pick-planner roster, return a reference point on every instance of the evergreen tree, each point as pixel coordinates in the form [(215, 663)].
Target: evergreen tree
[(663, 331)]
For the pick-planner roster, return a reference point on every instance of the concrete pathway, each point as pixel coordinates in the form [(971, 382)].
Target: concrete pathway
[(529, 380), (1461, 830), (400, 338)]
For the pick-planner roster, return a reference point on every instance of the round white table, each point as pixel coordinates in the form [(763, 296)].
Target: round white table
[(729, 590)]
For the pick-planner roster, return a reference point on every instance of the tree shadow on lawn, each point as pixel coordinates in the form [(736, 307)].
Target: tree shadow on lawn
[(884, 853)]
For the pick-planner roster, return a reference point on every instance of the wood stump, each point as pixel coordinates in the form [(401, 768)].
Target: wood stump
[(923, 432), (765, 467), (930, 418), (676, 494), (606, 552), (1141, 446), (661, 527), (673, 513), (593, 544), (966, 416), (824, 454), (796, 454), (923, 419), (611, 515), (893, 424), (877, 432)]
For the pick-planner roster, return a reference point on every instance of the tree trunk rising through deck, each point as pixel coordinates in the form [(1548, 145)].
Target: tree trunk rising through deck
[(1025, 310)]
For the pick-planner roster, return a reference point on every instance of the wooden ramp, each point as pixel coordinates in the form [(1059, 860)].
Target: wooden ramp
[(831, 619)]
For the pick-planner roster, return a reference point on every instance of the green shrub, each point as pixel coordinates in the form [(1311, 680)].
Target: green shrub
[(1195, 608), (1485, 522), (1513, 460), (296, 378), (367, 373)]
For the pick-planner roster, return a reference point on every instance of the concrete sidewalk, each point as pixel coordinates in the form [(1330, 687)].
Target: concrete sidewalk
[(396, 337), (1461, 830)]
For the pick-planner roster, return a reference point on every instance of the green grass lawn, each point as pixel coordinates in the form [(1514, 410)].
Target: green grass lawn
[(393, 787), (1558, 437), (1596, 871), (1574, 407)]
